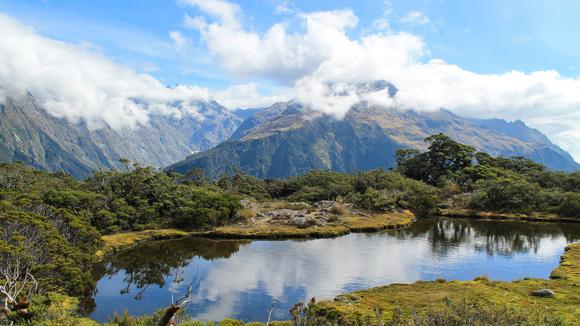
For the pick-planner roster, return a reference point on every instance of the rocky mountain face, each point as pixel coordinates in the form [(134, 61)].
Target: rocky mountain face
[(288, 139), (29, 134)]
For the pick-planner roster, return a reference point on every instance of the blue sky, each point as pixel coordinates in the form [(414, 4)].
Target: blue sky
[(482, 36), (514, 59)]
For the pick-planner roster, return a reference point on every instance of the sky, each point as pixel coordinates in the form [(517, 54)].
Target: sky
[(110, 61)]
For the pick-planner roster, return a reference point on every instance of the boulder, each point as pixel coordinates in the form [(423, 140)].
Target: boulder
[(246, 203), (302, 221), (543, 293), (347, 298), (281, 214), (325, 204)]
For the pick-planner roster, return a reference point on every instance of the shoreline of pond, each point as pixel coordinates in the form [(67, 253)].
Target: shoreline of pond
[(418, 295), (120, 242)]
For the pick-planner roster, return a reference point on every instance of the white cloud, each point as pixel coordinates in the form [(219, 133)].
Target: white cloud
[(416, 17), (283, 7), (382, 24), (72, 82), (180, 42), (277, 54), (228, 13), (249, 96), (324, 54)]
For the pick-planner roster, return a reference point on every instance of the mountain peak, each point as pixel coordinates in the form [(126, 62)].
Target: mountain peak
[(285, 140), (376, 86)]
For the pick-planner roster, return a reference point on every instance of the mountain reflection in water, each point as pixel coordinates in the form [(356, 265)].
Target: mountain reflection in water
[(241, 279)]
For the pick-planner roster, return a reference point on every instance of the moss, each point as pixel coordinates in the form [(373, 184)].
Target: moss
[(377, 222), (422, 295), (277, 232), (114, 242)]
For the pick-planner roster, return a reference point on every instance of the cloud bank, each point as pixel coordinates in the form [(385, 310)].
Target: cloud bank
[(72, 82), (323, 52)]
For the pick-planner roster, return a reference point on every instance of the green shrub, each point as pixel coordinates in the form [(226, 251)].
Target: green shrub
[(506, 195), (570, 206)]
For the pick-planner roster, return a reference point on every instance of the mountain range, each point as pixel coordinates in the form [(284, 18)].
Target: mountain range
[(282, 140), (289, 139), (31, 135)]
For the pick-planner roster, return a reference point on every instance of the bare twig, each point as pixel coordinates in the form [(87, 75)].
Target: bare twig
[(270, 314), (181, 303)]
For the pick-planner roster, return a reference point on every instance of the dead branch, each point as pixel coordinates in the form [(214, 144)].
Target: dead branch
[(168, 318), (13, 287), (270, 314)]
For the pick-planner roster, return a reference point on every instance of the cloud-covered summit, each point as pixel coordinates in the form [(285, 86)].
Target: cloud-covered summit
[(323, 51), (77, 83)]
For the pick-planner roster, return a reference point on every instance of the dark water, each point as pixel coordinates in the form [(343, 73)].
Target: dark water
[(241, 279)]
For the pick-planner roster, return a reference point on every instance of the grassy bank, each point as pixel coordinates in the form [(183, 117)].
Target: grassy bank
[(265, 229), (530, 217), (262, 230), (347, 224), (114, 242), (565, 282)]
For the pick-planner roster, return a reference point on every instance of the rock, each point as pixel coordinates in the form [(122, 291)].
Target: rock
[(325, 204), (347, 298), (543, 293), (246, 203), (281, 214), (302, 222), (299, 204)]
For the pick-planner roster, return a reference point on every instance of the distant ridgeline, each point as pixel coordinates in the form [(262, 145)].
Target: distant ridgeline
[(288, 139), (282, 140), (31, 135)]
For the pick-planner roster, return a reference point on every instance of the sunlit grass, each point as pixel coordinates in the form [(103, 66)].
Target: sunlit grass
[(118, 241), (343, 225), (423, 295)]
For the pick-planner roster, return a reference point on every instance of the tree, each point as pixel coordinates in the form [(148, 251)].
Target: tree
[(446, 156), (197, 176), (125, 162), (443, 159), (570, 207)]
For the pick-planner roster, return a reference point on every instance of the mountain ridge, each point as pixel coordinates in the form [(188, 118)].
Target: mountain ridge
[(29, 134), (288, 139)]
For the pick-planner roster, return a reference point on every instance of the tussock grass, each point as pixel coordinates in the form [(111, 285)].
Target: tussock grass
[(115, 242), (346, 224), (421, 296), (531, 217)]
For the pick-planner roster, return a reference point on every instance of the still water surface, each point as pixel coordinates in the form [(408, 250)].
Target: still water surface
[(241, 279)]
